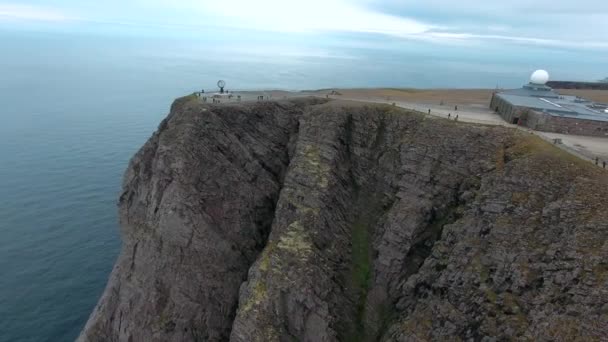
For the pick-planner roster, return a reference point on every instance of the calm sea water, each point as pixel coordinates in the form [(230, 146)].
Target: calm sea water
[(75, 107)]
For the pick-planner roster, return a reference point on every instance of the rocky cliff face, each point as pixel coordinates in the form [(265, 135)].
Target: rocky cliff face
[(311, 221)]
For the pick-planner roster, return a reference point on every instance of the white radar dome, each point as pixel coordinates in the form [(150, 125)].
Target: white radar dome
[(539, 77)]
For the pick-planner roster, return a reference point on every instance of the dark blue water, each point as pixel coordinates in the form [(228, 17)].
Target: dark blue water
[(75, 107)]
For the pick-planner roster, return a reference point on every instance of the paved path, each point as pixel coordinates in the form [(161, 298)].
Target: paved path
[(587, 148)]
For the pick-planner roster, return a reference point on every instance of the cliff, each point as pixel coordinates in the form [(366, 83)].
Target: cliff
[(307, 220)]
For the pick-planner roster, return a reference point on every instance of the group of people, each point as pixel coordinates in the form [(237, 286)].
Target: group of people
[(449, 115), (216, 99), (441, 103), (597, 162)]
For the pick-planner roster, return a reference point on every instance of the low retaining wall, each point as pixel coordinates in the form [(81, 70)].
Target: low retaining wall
[(558, 124), (506, 110)]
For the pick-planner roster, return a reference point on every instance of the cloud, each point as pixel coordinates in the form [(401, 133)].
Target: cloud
[(581, 25), (303, 16), (493, 9), (519, 40), (546, 19), (540, 22), (31, 13)]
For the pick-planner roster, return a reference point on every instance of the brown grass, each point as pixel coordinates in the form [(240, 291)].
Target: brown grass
[(449, 96), (533, 145), (595, 95)]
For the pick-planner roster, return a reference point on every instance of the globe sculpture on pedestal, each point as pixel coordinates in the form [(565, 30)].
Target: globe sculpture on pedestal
[(221, 84)]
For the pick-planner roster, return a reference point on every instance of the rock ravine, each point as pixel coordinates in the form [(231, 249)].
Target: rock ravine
[(307, 220)]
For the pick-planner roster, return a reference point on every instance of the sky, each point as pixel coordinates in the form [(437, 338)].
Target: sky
[(581, 24), (506, 39)]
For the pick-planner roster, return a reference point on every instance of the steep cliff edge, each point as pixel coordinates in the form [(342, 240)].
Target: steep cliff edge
[(311, 221)]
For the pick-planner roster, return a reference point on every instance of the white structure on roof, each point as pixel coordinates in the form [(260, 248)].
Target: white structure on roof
[(539, 77)]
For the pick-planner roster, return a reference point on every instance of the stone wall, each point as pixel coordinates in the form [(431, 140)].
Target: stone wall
[(558, 124), (506, 110)]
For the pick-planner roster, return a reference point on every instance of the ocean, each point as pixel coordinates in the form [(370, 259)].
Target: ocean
[(74, 107)]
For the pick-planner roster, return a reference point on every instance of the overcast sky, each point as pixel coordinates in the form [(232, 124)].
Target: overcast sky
[(570, 24)]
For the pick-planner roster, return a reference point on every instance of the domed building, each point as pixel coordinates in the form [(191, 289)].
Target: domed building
[(539, 107)]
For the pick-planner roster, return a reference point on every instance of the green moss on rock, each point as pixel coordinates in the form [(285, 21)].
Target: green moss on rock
[(296, 240)]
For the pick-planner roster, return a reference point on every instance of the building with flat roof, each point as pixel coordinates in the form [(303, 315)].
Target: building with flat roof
[(539, 107)]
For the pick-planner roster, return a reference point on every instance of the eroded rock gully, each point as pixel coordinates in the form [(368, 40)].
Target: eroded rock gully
[(311, 221)]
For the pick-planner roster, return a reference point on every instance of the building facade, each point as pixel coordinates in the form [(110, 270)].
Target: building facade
[(539, 107)]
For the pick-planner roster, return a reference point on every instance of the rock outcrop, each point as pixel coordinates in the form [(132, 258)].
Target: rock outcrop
[(307, 220)]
